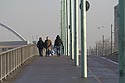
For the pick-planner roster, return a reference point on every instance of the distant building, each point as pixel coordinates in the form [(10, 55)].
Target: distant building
[(116, 27), (6, 45)]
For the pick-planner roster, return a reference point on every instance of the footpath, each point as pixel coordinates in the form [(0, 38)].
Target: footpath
[(61, 69)]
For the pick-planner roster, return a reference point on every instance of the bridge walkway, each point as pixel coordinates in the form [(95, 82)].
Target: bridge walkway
[(62, 70)]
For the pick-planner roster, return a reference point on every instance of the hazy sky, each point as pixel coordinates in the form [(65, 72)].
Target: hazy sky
[(31, 18), (34, 18), (100, 14)]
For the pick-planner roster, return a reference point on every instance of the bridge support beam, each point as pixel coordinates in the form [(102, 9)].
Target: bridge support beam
[(122, 42), (83, 40)]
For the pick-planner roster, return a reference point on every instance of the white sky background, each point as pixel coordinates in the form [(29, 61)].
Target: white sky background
[(32, 18)]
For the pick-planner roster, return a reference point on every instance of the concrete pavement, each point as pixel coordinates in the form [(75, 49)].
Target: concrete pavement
[(62, 70)]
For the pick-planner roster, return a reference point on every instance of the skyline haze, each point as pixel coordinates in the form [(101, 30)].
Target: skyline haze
[(35, 18)]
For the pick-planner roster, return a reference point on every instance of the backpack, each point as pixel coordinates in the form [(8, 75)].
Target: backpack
[(58, 42)]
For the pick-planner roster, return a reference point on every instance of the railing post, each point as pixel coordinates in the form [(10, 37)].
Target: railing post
[(1, 66), (14, 60), (6, 65)]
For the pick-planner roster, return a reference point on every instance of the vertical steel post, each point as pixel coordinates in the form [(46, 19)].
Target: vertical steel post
[(61, 31), (83, 40), (67, 27), (76, 55), (72, 9), (122, 42), (63, 40), (103, 45), (64, 26), (70, 3), (111, 39), (96, 50)]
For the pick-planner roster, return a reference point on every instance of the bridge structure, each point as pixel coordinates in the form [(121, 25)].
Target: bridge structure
[(70, 67), (11, 44), (11, 30)]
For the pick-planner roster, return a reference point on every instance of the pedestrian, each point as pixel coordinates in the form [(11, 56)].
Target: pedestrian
[(48, 46), (40, 45), (58, 44)]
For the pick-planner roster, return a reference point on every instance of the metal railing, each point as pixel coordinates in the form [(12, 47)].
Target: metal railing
[(14, 58)]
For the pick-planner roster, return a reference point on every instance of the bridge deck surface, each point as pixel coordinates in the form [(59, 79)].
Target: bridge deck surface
[(62, 70)]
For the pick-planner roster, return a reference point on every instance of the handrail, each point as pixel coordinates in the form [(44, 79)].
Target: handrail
[(12, 59)]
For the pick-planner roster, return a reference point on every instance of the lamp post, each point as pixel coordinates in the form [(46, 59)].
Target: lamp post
[(96, 49), (103, 42), (111, 39)]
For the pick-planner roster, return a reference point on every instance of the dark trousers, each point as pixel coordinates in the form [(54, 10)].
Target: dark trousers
[(47, 52), (40, 51), (58, 50)]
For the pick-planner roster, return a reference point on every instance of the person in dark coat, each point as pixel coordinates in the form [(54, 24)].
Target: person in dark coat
[(58, 44), (40, 45)]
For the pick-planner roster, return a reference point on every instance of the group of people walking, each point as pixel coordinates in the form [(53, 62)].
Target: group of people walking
[(47, 46)]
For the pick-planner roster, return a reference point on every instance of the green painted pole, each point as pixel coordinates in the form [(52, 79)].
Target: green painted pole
[(72, 9), (72, 27), (122, 42), (61, 31), (64, 26), (76, 56), (64, 7), (63, 23), (67, 28), (83, 40), (70, 3)]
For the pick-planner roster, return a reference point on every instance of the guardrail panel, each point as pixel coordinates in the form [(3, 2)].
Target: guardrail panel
[(12, 59)]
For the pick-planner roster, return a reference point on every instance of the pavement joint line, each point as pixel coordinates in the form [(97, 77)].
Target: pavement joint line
[(110, 60), (96, 78)]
